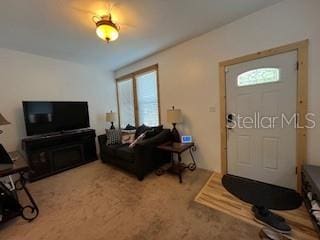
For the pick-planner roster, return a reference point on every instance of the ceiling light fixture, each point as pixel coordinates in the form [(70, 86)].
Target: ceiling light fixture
[(106, 29)]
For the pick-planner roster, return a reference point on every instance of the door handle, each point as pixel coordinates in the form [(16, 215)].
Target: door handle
[(230, 120)]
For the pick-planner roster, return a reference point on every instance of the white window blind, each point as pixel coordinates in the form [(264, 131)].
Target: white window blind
[(147, 98), (126, 102)]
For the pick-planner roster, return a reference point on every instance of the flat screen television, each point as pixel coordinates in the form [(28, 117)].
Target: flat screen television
[(50, 117)]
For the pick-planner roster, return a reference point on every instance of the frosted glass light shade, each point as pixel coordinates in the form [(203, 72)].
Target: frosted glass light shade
[(174, 116), (107, 32)]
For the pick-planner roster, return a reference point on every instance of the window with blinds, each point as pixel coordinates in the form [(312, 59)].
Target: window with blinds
[(126, 102), (147, 96), (138, 99)]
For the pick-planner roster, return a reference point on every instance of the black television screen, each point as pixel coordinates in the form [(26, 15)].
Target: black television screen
[(49, 117)]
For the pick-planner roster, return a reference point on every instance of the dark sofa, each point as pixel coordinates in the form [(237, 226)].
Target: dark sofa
[(143, 158)]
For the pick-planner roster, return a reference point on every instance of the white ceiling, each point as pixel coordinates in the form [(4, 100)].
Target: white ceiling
[(63, 29)]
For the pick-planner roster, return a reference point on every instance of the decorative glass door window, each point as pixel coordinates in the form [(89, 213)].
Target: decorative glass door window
[(258, 76)]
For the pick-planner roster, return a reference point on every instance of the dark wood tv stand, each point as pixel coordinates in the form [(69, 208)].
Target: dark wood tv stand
[(57, 152)]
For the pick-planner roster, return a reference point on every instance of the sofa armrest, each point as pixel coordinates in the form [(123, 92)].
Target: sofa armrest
[(147, 156), (102, 139)]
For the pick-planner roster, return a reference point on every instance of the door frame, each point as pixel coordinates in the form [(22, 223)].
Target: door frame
[(302, 100)]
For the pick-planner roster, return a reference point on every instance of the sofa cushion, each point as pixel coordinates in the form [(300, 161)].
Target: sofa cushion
[(138, 140), (143, 128), (130, 127), (125, 153), (154, 131), (127, 138), (111, 149)]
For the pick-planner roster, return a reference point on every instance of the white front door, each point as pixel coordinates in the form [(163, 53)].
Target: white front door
[(261, 95)]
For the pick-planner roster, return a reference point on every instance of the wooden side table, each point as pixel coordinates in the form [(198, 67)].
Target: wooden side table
[(20, 167), (178, 148)]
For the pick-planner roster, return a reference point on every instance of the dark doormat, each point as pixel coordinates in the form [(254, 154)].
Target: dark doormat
[(262, 194)]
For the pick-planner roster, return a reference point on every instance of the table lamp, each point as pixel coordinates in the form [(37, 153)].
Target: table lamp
[(174, 116), (111, 117), (3, 121)]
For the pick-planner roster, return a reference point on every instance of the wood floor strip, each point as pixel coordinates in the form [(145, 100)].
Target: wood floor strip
[(214, 195)]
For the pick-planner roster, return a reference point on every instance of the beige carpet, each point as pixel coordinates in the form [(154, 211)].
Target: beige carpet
[(98, 202)]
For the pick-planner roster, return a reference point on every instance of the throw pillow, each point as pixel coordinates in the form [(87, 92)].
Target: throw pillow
[(127, 138), (128, 131), (139, 139), (113, 136), (143, 128), (130, 127), (154, 131)]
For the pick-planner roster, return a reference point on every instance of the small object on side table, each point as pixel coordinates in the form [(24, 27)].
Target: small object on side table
[(20, 167), (178, 148)]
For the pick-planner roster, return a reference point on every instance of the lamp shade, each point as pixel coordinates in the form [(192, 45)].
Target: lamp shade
[(3, 121), (174, 116), (111, 116)]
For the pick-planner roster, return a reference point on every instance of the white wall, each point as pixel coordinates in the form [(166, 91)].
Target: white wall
[(30, 77), (189, 72)]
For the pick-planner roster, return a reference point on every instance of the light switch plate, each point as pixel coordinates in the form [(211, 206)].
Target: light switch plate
[(212, 109)]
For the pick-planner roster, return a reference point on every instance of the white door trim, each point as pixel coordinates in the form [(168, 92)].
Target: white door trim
[(302, 98)]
